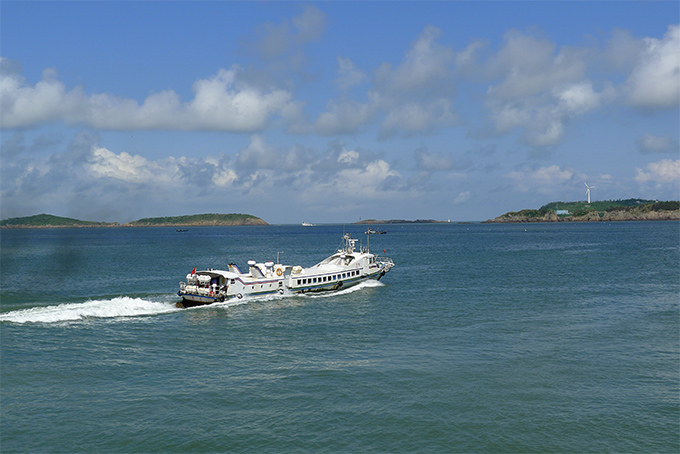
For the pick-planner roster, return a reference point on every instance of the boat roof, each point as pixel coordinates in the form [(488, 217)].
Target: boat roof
[(223, 273)]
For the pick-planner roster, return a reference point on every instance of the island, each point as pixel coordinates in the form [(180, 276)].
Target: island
[(607, 210), (198, 220), (47, 221)]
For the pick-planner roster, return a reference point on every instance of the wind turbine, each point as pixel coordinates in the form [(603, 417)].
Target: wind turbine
[(588, 188)]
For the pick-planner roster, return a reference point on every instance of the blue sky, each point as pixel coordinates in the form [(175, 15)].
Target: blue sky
[(335, 111)]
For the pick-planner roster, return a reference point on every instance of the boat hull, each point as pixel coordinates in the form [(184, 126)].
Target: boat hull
[(190, 300)]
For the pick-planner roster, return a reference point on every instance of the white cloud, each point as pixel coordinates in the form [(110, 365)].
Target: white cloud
[(666, 171), (121, 166), (462, 198), (343, 116), (540, 88), (655, 81), (413, 117), (543, 180), (433, 161), (348, 157), (650, 143), (577, 99), (348, 74), (529, 65), (362, 182), (275, 40), (426, 65), (223, 102), (417, 94), (258, 154), (45, 102)]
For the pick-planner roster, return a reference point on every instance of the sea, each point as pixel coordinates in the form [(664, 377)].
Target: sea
[(484, 338)]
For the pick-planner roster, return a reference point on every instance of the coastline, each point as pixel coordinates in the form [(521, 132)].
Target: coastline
[(592, 216)]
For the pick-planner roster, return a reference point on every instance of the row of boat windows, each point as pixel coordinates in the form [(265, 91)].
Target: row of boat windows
[(320, 280)]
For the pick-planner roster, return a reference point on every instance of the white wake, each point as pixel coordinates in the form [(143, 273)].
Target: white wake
[(122, 306), (125, 306)]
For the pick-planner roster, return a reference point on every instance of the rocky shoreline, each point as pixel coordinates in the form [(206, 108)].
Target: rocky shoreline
[(592, 216)]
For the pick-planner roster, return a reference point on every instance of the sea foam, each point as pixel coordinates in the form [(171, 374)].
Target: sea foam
[(123, 306)]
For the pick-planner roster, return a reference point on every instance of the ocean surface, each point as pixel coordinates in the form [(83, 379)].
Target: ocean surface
[(532, 338)]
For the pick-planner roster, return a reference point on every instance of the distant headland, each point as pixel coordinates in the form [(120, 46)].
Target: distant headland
[(47, 221), (608, 210)]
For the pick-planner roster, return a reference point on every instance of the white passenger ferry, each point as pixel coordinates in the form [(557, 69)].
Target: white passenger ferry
[(211, 286), (342, 269)]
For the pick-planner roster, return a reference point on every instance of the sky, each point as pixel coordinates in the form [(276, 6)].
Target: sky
[(332, 112)]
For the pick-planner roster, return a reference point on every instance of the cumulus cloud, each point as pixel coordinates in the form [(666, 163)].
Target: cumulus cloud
[(121, 166), (540, 89), (415, 96), (650, 143), (133, 184), (342, 116), (348, 74), (462, 198), (426, 65), (543, 179), (661, 172), (414, 117), (433, 161), (274, 40), (223, 102), (655, 81), (529, 65), (361, 182), (258, 155)]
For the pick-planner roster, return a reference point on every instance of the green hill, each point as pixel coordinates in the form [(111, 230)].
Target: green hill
[(581, 208), (607, 210), (199, 219), (48, 221)]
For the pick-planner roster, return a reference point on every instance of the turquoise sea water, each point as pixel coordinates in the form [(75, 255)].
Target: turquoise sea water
[(483, 338)]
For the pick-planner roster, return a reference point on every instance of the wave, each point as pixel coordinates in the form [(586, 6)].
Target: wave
[(123, 306), (369, 283)]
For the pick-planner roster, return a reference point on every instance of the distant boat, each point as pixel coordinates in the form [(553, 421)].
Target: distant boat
[(375, 232), (307, 224), (182, 230)]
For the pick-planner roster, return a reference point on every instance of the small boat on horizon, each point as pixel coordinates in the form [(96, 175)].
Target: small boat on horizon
[(344, 268), (307, 224)]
